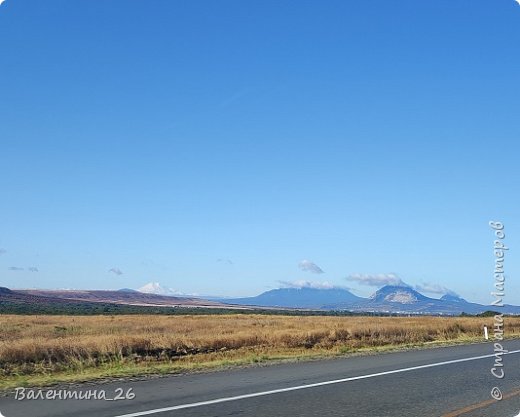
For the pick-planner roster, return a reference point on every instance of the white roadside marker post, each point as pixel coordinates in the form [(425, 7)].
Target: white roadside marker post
[(486, 333)]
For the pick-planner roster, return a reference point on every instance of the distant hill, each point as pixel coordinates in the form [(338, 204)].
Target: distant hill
[(311, 298), (27, 303), (453, 298), (5, 291), (121, 297), (34, 302)]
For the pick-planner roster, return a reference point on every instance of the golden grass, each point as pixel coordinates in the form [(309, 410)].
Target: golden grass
[(42, 349)]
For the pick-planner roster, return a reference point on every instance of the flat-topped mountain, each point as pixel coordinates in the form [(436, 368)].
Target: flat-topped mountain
[(313, 298)]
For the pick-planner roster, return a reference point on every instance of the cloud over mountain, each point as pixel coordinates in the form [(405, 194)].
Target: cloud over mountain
[(377, 280), (434, 289), (307, 284), (116, 271), (309, 266)]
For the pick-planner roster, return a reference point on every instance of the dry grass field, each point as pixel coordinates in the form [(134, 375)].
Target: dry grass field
[(37, 350)]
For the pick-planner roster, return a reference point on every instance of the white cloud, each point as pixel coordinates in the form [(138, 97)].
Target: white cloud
[(116, 271), (15, 268), (308, 284), (2, 251), (1, 1), (309, 266), (32, 269), (434, 289), (376, 280)]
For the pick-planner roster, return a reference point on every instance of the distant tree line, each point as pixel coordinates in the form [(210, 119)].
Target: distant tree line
[(89, 309)]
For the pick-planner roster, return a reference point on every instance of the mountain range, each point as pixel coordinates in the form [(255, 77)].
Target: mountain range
[(398, 299), (390, 299)]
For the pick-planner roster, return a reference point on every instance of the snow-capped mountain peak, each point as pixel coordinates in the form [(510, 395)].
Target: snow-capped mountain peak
[(156, 288)]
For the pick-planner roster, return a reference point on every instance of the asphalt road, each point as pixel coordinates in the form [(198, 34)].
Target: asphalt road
[(441, 382)]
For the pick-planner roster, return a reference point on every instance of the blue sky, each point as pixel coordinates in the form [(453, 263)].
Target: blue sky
[(213, 146)]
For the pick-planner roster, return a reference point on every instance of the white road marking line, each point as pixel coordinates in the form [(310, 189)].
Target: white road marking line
[(300, 387)]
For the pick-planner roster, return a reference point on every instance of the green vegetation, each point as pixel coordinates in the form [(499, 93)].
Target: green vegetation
[(78, 308)]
